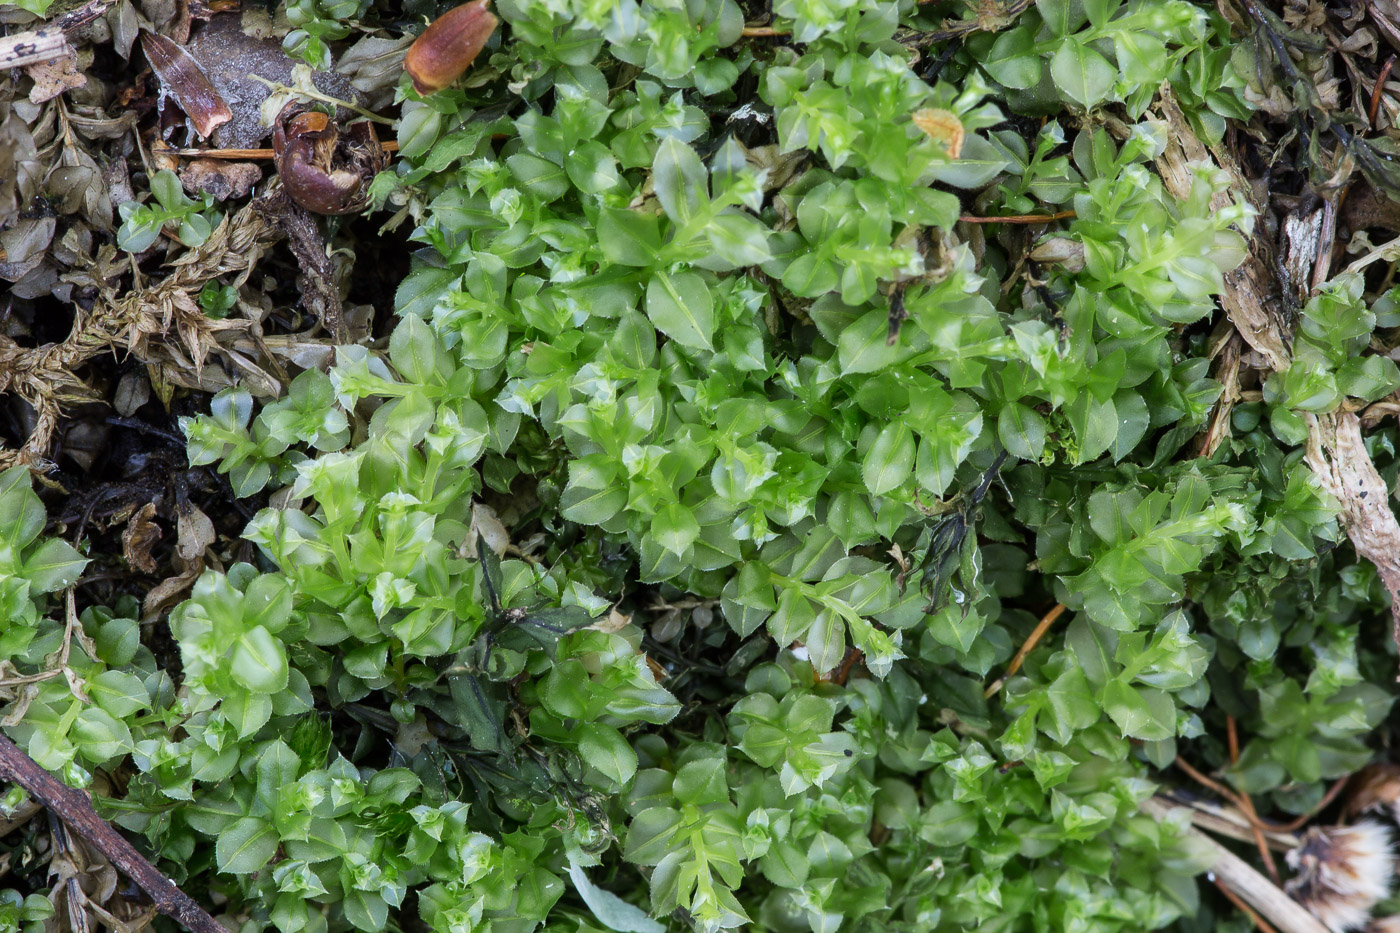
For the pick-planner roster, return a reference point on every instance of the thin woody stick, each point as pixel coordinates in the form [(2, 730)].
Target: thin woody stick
[(75, 809), (48, 42), (1247, 804), (1232, 823), (390, 146), (1036, 635), (1322, 804), (31, 48), (1018, 218)]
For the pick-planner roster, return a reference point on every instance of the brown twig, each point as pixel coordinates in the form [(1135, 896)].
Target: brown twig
[(48, 42), (1253, 818), (1036, 635), (1324, 803), (1204, 781), (390, 146), (1259, 922), (852, 657), (74, 808), (1018, 218), (1247, 804), (751, 32), (1228, 820), (1375, 107)]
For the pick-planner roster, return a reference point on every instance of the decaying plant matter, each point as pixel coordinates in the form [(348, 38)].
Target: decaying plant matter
[(819, 467), (323, 169)]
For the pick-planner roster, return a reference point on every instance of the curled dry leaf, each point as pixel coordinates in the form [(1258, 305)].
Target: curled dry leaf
[(373, 66), (140, 536), (324, 170), (1062, 251), (449, 45), (486, 525), (133, 391), (182, 78)]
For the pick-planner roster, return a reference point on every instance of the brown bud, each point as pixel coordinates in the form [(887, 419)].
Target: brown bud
[(322, 169), (182, 78), (449, 45)]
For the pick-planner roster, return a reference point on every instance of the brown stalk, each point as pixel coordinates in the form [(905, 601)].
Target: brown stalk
[(390, 146), (49, 42), (1036, 635), (33, 47), (1259, 922), (1253, 818), (74, 808), (1018, 218), (1322, 804), (1247, 804), (1375, 107)]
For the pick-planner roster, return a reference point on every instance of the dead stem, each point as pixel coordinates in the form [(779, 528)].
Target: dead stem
[(1036, 635)]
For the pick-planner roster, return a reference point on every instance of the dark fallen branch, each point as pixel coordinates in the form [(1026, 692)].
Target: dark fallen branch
[(75, 810)]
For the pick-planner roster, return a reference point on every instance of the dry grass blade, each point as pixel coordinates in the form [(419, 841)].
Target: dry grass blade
[(138, 321)]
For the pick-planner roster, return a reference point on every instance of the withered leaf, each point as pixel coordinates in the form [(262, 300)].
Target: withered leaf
[(141, 534), (55, 76), (182, 78), (942, 126)]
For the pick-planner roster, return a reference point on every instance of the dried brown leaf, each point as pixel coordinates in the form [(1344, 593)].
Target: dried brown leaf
[(141, 534), (196, 533), (55, 76), (182, 78)]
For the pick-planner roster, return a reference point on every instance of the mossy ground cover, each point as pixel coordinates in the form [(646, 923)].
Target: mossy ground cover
[(818, 465)]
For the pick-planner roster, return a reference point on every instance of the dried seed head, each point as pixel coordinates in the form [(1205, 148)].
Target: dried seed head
[(449, 45), (1375, 787), (1342, 872)]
